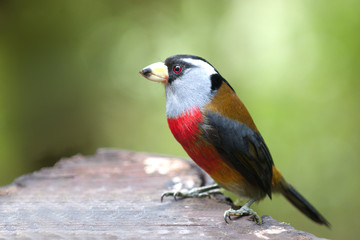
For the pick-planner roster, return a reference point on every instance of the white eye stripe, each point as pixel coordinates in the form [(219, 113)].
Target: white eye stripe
[(197, 62)]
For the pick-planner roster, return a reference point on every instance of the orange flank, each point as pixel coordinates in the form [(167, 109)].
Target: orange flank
[(227, 103)]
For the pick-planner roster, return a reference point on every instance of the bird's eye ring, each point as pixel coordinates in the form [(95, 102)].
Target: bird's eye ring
[(177, 69)]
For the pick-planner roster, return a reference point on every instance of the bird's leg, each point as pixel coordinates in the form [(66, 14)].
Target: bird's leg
[(204, 191), (244, 210)]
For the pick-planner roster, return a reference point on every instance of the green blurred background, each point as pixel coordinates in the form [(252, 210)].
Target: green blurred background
[(69, 84)]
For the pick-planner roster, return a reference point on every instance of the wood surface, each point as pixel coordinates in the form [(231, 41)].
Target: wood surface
[(115, 194)]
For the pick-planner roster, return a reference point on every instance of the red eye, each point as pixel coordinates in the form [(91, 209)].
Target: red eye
[(177, 69)]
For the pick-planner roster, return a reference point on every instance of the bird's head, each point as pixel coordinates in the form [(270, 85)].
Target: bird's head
[(190, 81)]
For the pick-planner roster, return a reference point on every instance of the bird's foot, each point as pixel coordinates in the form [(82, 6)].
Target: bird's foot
[(244, 210), (198, 192)]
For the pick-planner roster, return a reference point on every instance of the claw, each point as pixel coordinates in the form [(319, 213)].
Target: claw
[(241, 212), (244, 210), (225, 217), (162, 196), (165, 194), (195, 192), (176, 194)]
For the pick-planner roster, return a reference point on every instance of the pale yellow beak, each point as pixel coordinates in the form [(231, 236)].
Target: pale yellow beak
[(157, 72)]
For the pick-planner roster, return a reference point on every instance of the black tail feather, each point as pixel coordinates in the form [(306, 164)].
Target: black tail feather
[(302, 204)]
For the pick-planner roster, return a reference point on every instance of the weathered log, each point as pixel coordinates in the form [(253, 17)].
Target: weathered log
[(115, 194)]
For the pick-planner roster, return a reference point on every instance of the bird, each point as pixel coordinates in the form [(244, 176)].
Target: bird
[(214, 127)]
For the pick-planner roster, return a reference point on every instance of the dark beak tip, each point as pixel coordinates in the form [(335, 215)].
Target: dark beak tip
[(145, 71)]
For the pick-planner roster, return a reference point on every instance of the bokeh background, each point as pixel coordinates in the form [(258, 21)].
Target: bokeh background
[(69, 84)]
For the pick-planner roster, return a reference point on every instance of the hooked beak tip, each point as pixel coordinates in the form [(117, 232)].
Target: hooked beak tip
[(145, 72)]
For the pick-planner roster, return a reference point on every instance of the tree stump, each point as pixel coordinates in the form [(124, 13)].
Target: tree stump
[(115, 194)]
